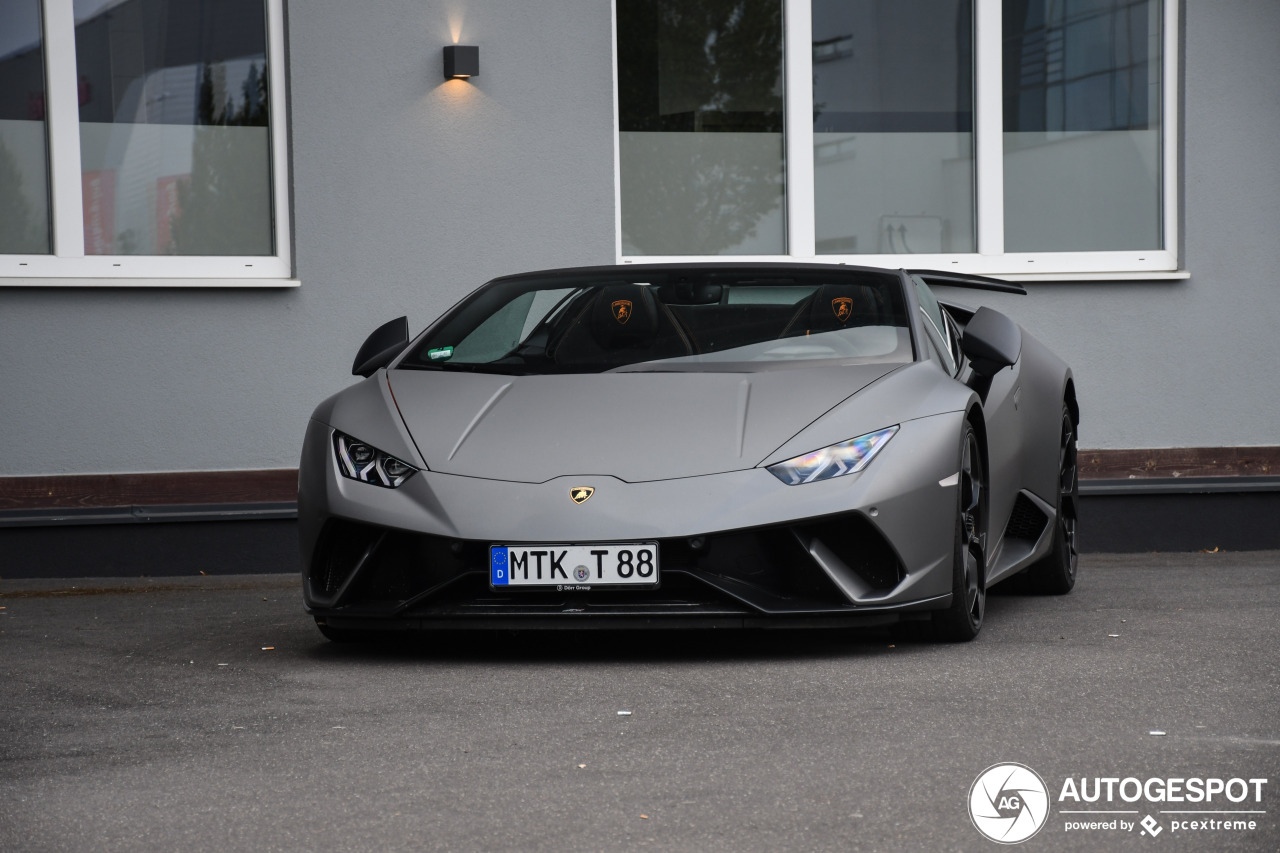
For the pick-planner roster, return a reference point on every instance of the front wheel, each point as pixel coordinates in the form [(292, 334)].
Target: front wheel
[(962, 621)]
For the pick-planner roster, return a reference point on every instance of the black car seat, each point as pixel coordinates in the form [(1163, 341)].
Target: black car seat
[(833, 307), (622, 324)]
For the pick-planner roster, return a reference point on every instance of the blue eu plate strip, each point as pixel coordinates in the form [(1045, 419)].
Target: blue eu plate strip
[(498, 566)]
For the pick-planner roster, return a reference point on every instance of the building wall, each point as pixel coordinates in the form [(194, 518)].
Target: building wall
[(410, 191)]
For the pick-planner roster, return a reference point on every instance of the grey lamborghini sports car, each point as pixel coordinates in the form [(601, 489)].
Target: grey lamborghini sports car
[(694, 445)]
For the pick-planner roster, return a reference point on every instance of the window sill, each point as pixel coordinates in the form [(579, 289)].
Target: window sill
[(1166, 275), (1104, 265), (150, 282)]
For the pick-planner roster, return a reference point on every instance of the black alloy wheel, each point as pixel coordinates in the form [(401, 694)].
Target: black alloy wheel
[(962, 621), (1056, 573)]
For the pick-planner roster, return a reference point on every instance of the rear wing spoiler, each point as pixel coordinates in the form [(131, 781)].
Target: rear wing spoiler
[(967, 280)]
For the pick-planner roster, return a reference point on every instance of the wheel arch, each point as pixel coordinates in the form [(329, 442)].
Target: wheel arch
[(1069, 398), (974, 417)]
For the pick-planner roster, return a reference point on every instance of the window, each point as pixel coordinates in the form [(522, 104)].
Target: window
[(141, 139), (692, 320), (1007, 137), (700, 127), (893, 127), (24, 163), (1082, 125)]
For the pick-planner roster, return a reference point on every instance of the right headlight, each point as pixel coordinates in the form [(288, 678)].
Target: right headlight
[(847, 457), (368, 464)]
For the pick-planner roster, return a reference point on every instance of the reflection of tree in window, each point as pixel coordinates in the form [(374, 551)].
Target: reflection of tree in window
[(24, 188), (17, 227), (212, 202), (689, 67)]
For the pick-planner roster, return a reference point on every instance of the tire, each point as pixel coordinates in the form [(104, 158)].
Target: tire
[(1055, 574), (962, 621)]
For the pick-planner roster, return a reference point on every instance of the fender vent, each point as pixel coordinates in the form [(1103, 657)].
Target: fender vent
[(1027, 521)]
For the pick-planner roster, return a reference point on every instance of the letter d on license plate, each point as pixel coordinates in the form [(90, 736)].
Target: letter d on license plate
[(620, 564)]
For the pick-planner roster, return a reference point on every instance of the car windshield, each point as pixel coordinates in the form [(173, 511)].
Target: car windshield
[(647, 320)]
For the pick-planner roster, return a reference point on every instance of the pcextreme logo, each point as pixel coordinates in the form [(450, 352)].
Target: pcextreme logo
[(1009, 803)]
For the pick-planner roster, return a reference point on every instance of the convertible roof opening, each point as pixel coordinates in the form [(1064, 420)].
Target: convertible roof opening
[(654, 319)]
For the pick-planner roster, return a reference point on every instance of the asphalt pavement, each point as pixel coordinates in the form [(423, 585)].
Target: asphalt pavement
[(208, 714)]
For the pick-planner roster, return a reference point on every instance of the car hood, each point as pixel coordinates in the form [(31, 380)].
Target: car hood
[(634, 426)]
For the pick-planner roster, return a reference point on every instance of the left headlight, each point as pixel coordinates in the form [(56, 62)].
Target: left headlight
[(368, 464), (847, 457)]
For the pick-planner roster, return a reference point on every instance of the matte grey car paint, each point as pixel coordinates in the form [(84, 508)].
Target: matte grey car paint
[(633, 426), (684, 454)]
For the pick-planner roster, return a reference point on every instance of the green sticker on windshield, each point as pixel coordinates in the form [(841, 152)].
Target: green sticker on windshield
[(440, 353)]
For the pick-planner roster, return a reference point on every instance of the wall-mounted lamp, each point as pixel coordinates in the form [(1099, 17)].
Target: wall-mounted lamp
[(461, 60)]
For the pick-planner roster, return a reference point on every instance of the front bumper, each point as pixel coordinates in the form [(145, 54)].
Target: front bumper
[(736, 549)]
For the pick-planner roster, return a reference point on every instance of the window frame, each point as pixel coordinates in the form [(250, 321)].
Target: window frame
[(990, 257), (68, 265)]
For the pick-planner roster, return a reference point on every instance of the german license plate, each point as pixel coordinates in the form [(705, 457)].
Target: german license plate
[(574, 566)]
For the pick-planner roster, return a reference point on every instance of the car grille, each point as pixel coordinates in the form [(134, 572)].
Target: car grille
[(758, 570)]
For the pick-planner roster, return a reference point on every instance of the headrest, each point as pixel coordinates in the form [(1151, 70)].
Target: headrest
[(842, 306), (623, 315)]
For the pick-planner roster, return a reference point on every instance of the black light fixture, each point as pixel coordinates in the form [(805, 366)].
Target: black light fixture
[(461, 61)]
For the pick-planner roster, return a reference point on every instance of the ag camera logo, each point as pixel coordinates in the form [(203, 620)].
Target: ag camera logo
[(1008, 803)]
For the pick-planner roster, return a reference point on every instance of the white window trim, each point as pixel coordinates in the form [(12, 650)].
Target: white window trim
[(990, 259), (69, 266)]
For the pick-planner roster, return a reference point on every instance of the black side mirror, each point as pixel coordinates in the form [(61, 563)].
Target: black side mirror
[(381, 347), (991, 341)]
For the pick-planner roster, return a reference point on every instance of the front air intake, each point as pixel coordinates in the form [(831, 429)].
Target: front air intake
[(343, 547), (860, 546)]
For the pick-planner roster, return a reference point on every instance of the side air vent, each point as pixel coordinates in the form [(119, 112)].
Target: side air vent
[(1027, 521)]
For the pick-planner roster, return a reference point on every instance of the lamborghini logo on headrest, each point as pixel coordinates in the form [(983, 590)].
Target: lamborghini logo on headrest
[(843, 306), (579, 494), (621, 313)]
